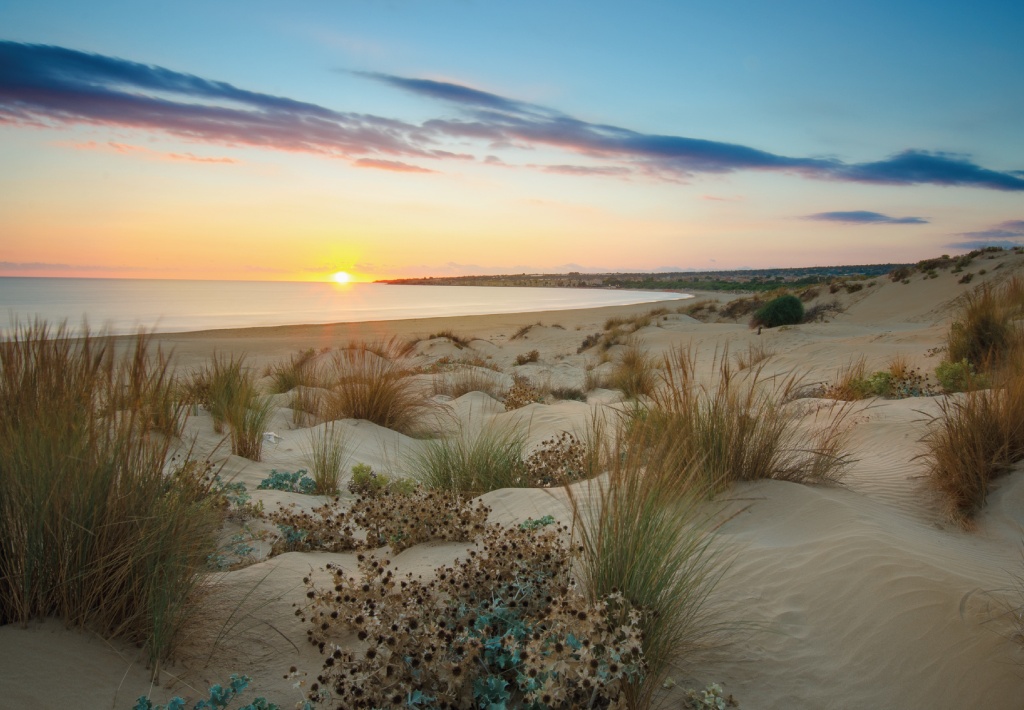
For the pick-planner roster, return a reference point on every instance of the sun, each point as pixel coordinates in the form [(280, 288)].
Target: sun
[(342, 277)]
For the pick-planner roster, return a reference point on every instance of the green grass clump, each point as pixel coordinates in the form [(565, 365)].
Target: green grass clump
[(326, 457), (472, 464), (784, 310), (643, 534), (92, 529)]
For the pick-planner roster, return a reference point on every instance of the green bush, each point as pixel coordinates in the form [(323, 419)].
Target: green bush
[(959, 376), (784, 310)]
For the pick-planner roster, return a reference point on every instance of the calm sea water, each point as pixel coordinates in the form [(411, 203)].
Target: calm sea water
[(176, 306)]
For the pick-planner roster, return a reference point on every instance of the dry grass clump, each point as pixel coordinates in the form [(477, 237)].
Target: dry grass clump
[(463, 380), (756, 353), (594, 379), (305, 404), (634, 372), (987, 325), (898, 380), (521, 393), (740, 307), (849, 384), (701, 310), (471, 463), (742, 426), (326, 457), (216, 385), (298, 371), (566, 393), (976, 437), (521, 332), (644, 535), (821, 311), (377, 389), (92, 530), (527, 358), (247, 414), (503, 628), (449, 334)]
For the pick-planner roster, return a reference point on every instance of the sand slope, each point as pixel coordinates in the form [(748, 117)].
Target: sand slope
[(856, 596)]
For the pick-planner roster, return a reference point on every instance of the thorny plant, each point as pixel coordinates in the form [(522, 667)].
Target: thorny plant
[(389, 517), (503, 628), (560, 460), (521, 393)]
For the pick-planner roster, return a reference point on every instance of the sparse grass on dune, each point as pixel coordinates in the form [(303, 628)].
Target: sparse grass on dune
[(634, 371), (464, 380), (643, 533), (304, 403), (326, 455), (247, 416), (986, 325), (299, 370), (743, 427), (371, 387), (849, 383), (756, 353), (472, 463), (91, 529), (975, 437)]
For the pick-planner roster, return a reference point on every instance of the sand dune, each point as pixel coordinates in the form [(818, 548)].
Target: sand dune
[(853, 596)]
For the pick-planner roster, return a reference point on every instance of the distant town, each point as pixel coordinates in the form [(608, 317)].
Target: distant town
[(736, 280)]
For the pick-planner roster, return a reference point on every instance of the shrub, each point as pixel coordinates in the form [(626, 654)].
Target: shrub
[(854, 288), (526, 358), (966, 278), (975, 438), (589, 342), (982, 329), (502, 628), (784, 310), (371, 387), (326, 457), (559, 460), (297, 482), (92, 530), (959, 376), (634, 372), (472, 464), (900, 273)]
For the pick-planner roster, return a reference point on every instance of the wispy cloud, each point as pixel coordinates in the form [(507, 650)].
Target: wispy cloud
[(44, 86), (863, 217), (10, 267), (148, 153), (1004, 234), (393, 165)]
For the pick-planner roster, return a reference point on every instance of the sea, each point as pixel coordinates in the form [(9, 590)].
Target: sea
[(174, 306)]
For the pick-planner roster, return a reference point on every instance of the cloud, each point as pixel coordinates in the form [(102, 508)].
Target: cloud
[(141, 150), (37, 266), (863, 217), (46, 87), (1004, 234), (394, 165)]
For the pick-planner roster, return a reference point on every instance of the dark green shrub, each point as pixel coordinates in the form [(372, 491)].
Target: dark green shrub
[(784, 310)]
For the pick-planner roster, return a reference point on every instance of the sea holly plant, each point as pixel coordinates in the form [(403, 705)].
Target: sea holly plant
[(503, 628), (297, 482), (220, 698)]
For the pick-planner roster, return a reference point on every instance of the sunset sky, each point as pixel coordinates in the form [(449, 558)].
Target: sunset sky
[(257, 140)]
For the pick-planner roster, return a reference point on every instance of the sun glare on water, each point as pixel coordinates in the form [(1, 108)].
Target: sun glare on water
[(342, 277)]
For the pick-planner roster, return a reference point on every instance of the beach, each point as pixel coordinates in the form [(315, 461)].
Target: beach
[(857, 594)]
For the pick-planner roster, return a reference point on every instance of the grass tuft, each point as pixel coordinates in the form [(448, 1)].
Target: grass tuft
[(92, 530), (634, 372), (470, 463), (371, 387), (299, 371), (326, 455)]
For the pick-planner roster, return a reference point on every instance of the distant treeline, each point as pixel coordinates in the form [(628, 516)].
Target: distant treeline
[(738, 280)]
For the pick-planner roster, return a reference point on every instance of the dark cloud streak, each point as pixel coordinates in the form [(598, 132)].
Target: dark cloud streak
[(863, 217), (45, 86)]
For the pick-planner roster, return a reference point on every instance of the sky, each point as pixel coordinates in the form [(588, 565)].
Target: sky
[(290, 141)]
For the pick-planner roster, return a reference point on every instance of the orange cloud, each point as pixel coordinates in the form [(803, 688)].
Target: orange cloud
[(125, 148), (394, 165)]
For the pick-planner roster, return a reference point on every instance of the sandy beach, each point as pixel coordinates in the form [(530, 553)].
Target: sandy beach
[(857, 595)]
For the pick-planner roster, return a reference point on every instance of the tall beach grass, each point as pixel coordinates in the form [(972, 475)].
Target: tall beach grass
[(472, 463), (326, 456), (92, 529)]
